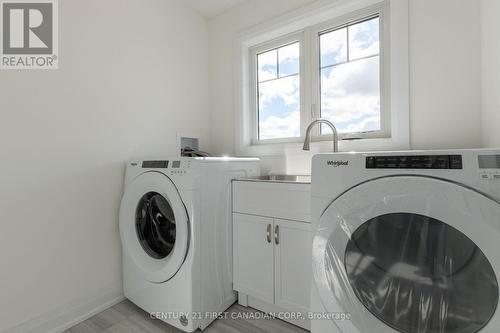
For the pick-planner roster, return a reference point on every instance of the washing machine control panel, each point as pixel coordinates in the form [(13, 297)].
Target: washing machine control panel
[(176, 167), (155, 164)]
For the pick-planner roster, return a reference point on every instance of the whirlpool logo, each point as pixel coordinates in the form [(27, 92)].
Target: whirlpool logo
[(337, 164), (29, 37)]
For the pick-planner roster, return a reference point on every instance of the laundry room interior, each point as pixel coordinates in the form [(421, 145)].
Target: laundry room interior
[(250, 166)]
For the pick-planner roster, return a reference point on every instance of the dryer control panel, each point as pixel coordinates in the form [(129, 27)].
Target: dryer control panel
[(429, 162), (489, 166), (475, 168)]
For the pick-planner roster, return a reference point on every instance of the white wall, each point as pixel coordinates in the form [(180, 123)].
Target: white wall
[(445, 74), (490, 26), (132, 74), (222, 30)]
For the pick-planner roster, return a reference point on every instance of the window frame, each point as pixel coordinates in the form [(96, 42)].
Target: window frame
[(253, 77), (310, 77), (397, 79), (384, 76)]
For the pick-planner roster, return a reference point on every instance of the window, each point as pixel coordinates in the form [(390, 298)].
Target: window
[(278, 86), (350, 77), (344, 60)]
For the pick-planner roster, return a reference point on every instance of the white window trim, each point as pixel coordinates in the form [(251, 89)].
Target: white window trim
[(397, 61)]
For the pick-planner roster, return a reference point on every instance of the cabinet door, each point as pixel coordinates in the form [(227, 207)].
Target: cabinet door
[(253, 256), (292, 265)]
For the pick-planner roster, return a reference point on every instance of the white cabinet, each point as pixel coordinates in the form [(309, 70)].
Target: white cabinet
[(279, 200), (292, 265), (253, 248), (272, 264), (272, 247)]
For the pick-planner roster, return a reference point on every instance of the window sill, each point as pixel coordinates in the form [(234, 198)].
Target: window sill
[(283, 149)]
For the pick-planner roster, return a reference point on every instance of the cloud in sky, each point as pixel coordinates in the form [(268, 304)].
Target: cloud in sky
[(364, 39), (280, 127), (333, 47), (350, 95), (285, 89), (279, 112), (279, 62), (288, 59), (267, 63)]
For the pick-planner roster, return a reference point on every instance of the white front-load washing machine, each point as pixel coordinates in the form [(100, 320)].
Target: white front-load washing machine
[(406, 242), (176, 234)]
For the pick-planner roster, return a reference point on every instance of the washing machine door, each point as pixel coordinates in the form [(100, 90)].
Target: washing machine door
[(409, 254), (154, 226)]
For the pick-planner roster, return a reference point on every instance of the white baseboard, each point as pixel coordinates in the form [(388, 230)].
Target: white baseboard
[(72, 313)]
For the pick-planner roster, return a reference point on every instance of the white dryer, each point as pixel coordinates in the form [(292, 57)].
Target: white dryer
[(406, 242), (175, 228)]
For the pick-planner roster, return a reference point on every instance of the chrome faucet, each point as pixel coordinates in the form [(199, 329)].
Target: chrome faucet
[(307, 141)]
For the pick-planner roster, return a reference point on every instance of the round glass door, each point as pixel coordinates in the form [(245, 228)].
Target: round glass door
[(422, 272), (155, 225), (410, 254)]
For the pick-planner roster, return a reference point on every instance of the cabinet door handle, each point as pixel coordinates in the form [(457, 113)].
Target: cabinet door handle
[(277, 234), (269, 233)]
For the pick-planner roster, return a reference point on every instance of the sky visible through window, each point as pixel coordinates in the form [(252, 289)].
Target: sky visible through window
[(350, 77), (349, 83), (279, 92)]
